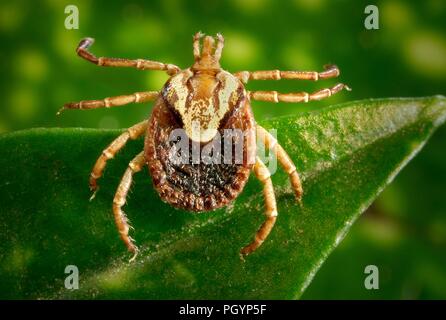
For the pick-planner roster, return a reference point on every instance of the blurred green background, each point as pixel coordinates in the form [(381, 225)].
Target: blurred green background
[(403, 233)]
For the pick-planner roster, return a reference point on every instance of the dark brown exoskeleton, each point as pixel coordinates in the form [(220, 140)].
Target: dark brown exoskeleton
[(203, 102)]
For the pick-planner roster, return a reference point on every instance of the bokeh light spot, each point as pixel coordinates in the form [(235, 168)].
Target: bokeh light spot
[(138, 36), (296, 58), (65, 43), (31, 65), (240, 50), (11, 16), (425, 52), (23, 104), (395, 15)]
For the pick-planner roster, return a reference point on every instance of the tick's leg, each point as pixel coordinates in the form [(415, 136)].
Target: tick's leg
[(117, 144), (219, 48), (284, 160), (274, 96), (262, 173), (330, 71), (121, 220), (137, 97), (196, 44), (82, 51)]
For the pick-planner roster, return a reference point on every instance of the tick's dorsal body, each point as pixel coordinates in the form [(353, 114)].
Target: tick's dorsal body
[(204, 102), (215, 102)]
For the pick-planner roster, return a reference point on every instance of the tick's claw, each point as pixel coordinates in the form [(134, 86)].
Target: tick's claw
[(245, 251), (198, 35), (135, 253), (298, 195), (330, 66), (60, 111), (85, 43), (220, 37), (95, 190)]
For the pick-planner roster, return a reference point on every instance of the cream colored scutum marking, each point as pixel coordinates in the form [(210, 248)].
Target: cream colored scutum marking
[(178, 87), (228, 94), (201, 119)]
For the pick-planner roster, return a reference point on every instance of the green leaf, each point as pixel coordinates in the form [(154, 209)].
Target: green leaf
[(346, 155)]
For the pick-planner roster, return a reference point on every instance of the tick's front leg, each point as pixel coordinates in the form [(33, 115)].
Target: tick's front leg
[(331, 71), (142, 64), (294, 97), (109, 152)]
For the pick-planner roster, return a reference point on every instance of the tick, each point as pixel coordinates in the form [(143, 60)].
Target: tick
[(204, 101)]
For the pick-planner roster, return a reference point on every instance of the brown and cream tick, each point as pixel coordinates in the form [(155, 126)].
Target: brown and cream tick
[(203, 101)]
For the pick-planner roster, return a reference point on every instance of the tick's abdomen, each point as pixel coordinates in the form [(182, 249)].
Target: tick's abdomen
[(201, 179)]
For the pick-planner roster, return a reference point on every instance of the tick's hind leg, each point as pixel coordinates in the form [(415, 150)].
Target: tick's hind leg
[(114, 147), (283, 158), (262, 173), (121, 220)]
